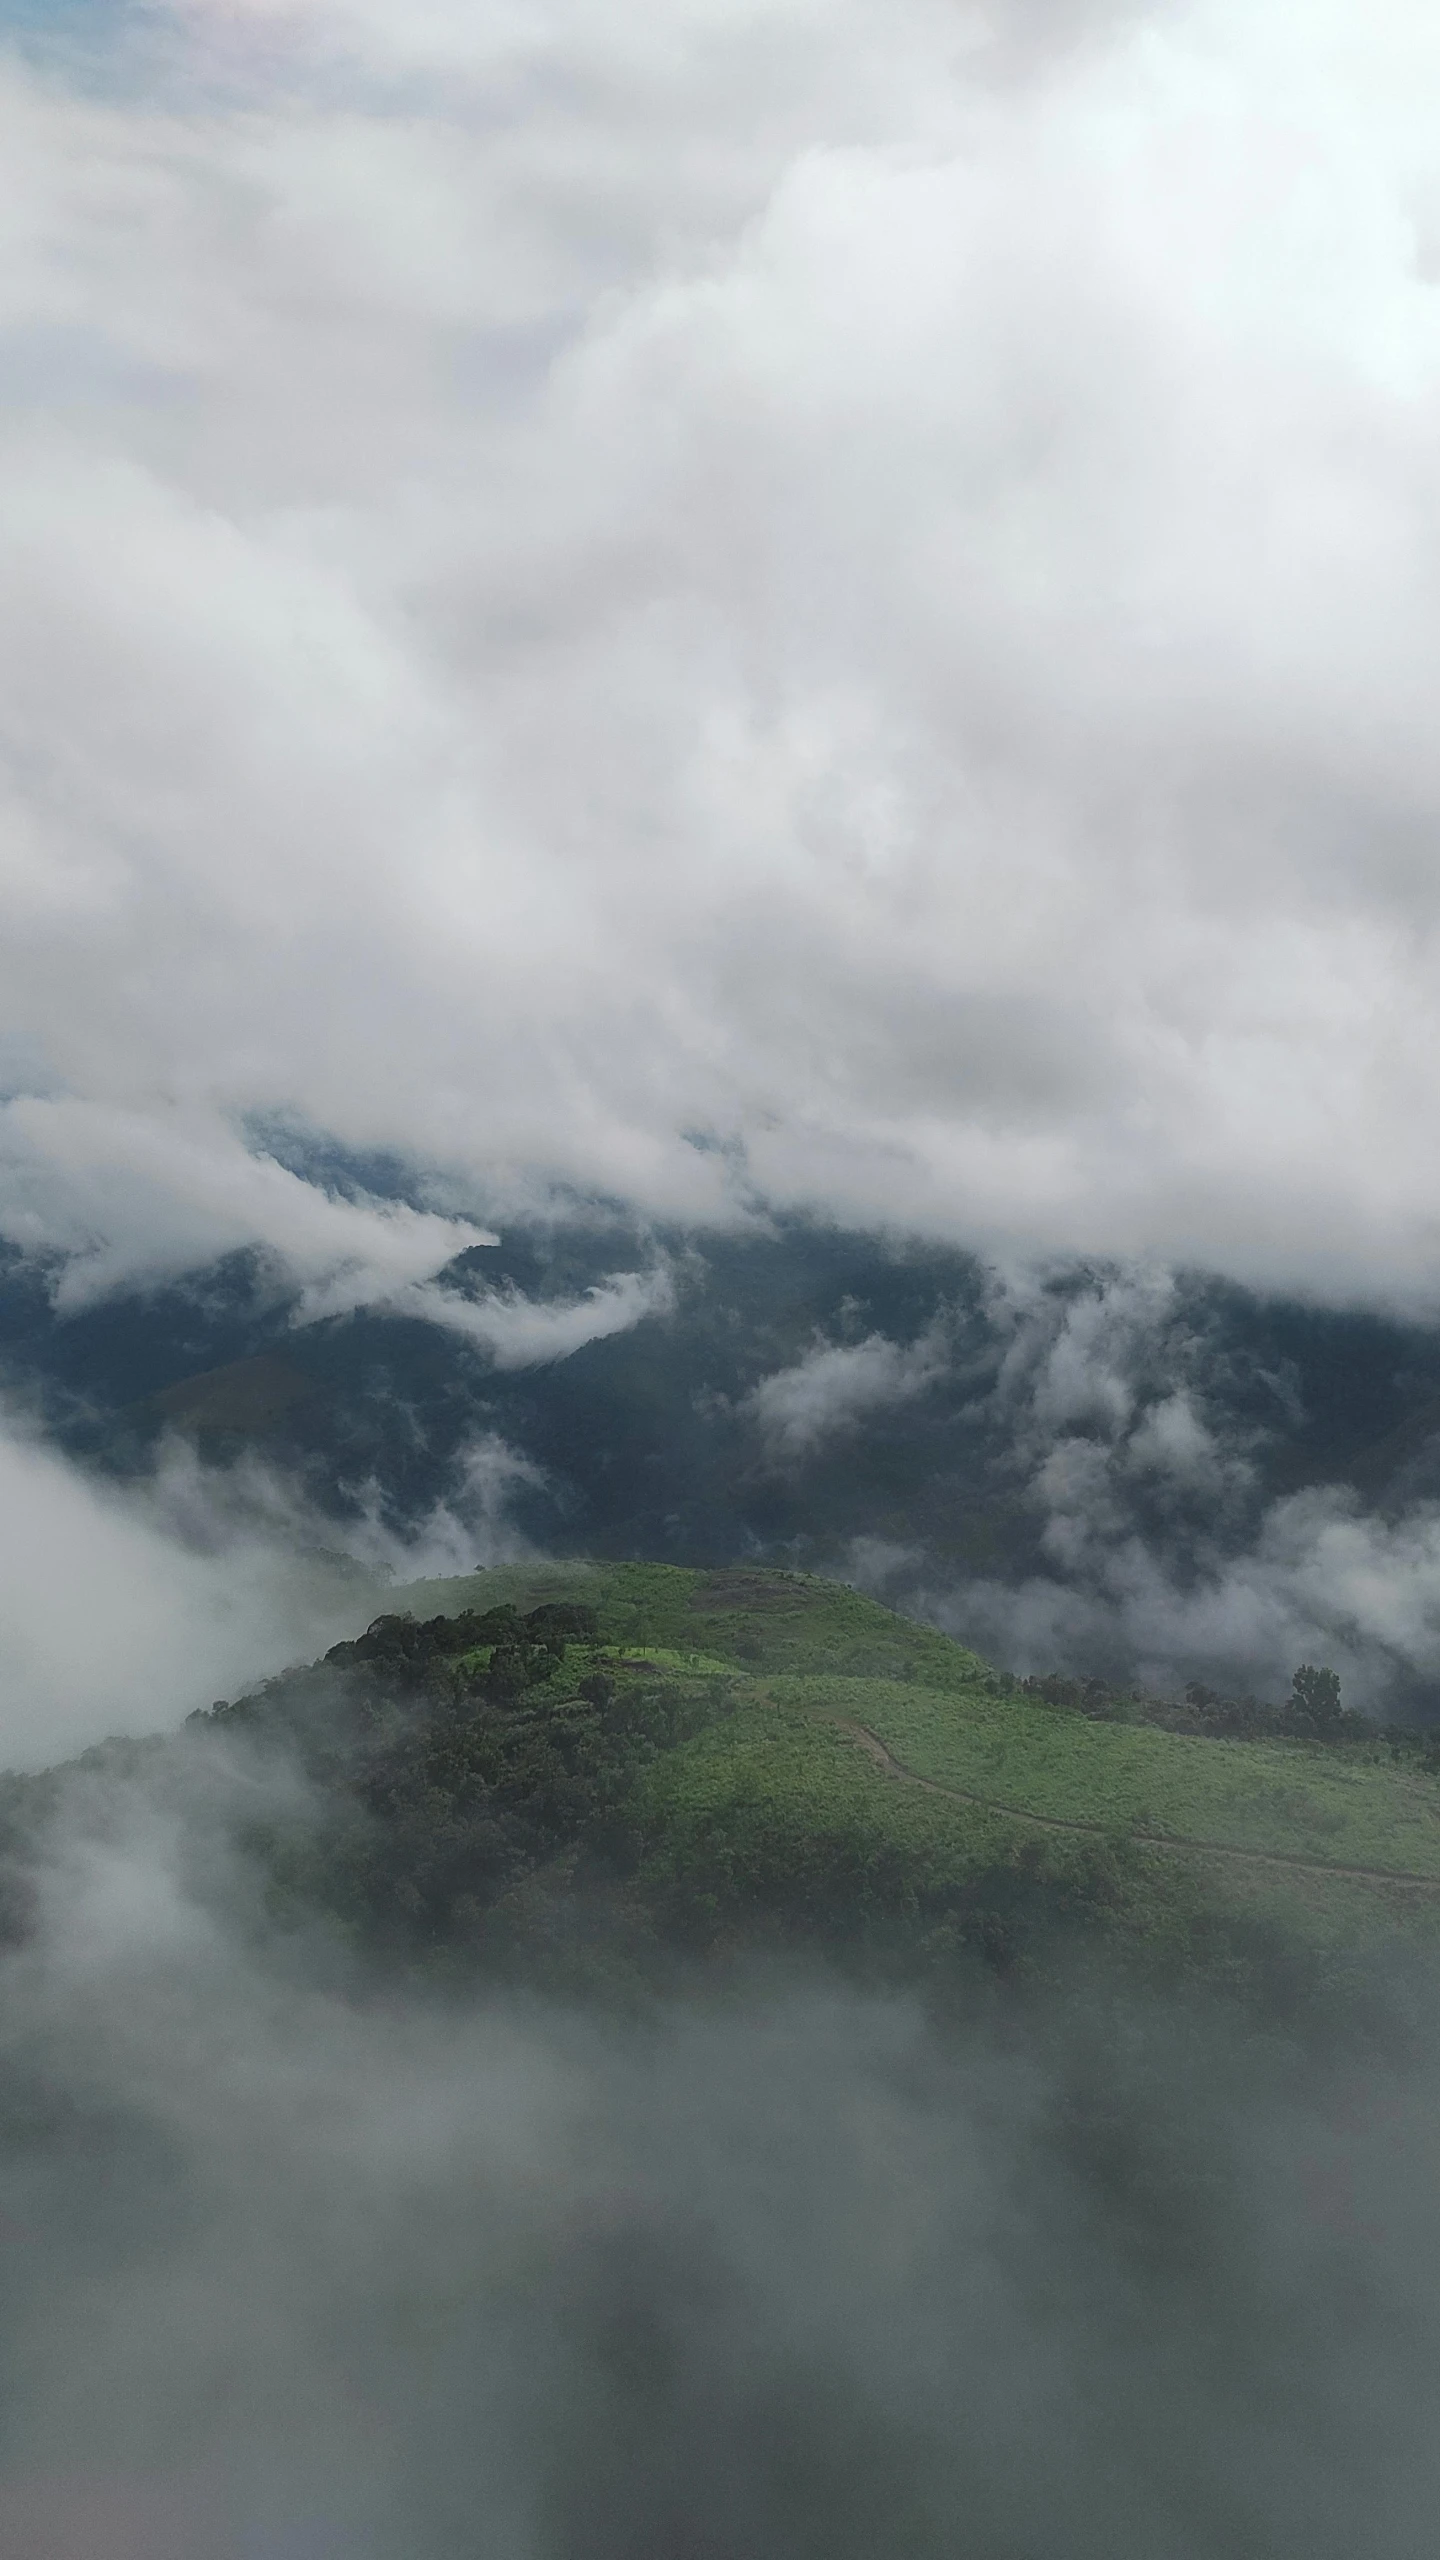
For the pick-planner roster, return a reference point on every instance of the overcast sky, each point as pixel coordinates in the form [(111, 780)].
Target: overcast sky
[(855, 584)]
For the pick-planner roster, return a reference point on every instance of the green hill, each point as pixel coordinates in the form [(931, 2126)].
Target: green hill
[(829, 1758), (576, 1772)]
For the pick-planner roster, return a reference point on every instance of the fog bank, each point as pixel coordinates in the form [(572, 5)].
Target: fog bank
[(125, 1605), (774, 2272)]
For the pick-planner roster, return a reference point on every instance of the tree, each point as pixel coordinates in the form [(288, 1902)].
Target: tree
[(1315, 1698)]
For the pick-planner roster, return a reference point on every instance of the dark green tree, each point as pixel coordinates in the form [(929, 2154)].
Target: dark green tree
[(1315, 1698)]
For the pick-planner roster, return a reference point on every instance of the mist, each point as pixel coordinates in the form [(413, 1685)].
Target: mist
[(304, 2261), (124, 1605), (1323, 1579)]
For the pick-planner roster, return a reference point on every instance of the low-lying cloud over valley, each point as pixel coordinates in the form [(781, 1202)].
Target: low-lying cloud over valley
[(298, 2267)]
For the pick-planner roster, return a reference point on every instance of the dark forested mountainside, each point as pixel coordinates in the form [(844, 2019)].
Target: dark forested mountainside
[(663, 1438)]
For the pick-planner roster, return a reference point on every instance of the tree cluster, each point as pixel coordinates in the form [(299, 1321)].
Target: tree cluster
[(1312, 1711), (461, 1769)]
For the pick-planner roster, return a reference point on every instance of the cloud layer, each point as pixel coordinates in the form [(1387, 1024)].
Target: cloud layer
[(123, 1607), (521, 1334), (851, 585), (1159, 1554), (837, 1385), (300, 2274)]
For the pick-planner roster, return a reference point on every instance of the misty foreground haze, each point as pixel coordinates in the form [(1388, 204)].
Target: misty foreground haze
[(314, 2262)]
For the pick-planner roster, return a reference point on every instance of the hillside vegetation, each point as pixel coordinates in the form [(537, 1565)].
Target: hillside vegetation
[(530, 1764), (805, 1648), (576, 1773)]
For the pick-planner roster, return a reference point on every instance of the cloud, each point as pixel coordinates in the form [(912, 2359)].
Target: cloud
[(524, 1333), (122, 1607), (1127, 1357), (838, 1385), (304, 2269), (1129, 1429), (129, 1197), (849, 581), (1323, 1581)]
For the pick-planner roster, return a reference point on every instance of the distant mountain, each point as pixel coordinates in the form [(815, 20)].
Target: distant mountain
[(244, 1401), (795, 1394)]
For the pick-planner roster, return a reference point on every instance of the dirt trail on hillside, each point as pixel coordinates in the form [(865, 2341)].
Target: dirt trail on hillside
[(884, 1758)]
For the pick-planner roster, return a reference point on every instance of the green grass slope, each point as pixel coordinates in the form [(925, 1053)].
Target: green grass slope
[(752, 1620), (1298, 1802), (863, 1757)]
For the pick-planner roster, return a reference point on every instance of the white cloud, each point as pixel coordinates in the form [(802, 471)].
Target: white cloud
[(838, 1384), (524, 1333), (1173, 1441), (1322, 1581), (112, 1624), (851, 579), (122, 1607), (1160, 1558), (134, 1195)]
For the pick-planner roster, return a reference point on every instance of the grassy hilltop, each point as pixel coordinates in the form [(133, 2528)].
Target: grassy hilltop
[(798, 1754), (574, 1772)]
